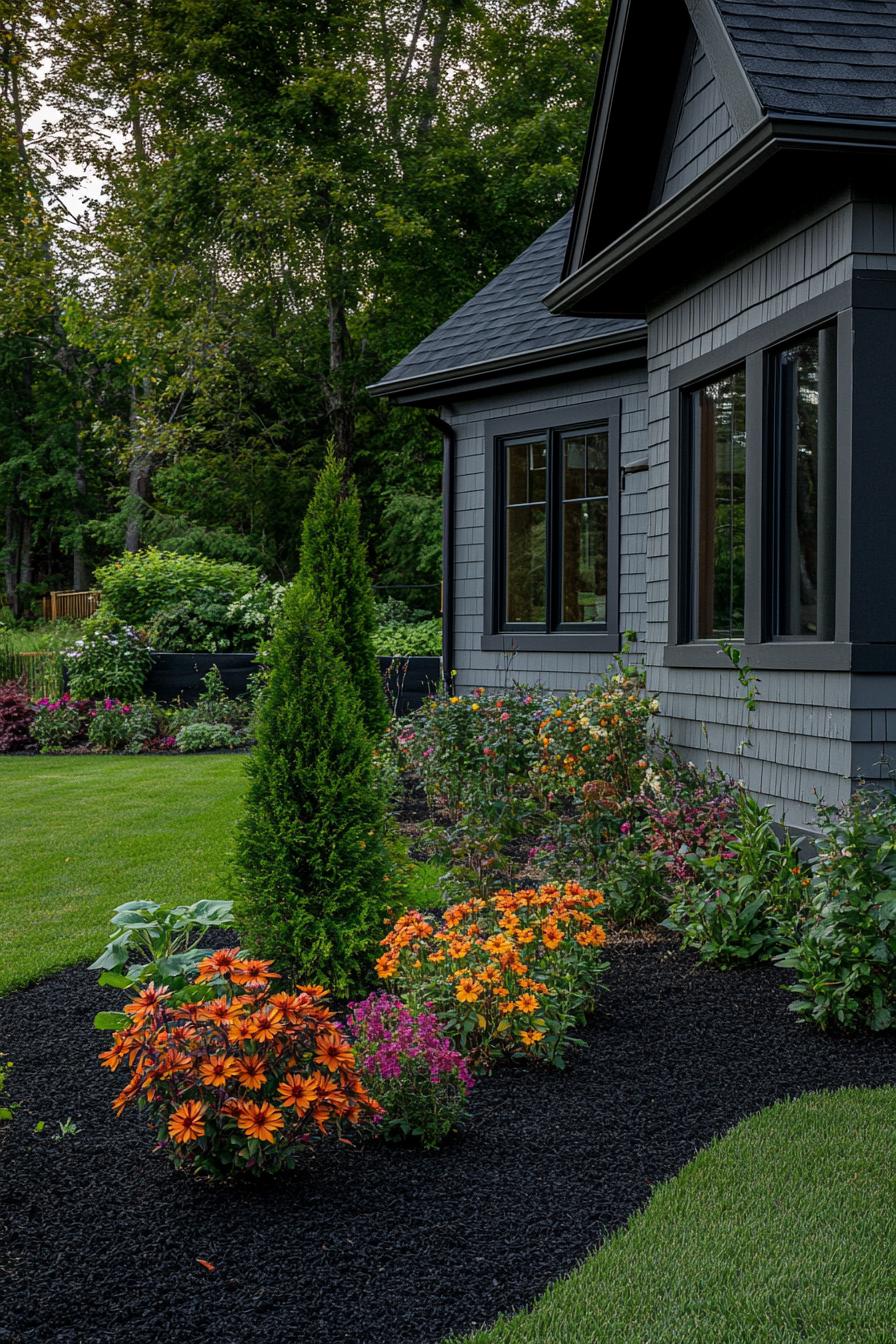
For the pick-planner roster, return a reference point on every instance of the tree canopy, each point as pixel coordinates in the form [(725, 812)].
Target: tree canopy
[(219, 221)]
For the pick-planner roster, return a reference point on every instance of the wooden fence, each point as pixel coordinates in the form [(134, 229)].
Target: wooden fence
[(70, 606), (39, 672)]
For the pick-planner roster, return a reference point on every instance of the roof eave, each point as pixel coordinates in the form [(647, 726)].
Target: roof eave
[(775, 133), (428, 387)]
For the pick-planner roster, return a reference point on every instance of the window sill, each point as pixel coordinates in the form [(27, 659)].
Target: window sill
[(529, 642), (789, 656)]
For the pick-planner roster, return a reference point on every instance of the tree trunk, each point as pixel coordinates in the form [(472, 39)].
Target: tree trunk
[(340, 405)]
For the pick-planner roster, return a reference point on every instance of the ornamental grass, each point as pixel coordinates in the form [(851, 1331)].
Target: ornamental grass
[(510, 975), (234, 1075)]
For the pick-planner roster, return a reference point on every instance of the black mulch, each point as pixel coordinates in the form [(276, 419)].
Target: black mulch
[(100, 1240)]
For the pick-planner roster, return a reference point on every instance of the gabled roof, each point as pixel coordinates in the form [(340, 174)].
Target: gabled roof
[(828, 58), (793, 74), (506, 322)]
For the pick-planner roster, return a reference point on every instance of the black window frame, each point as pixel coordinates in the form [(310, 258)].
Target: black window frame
[(762, 648), (554, 634)]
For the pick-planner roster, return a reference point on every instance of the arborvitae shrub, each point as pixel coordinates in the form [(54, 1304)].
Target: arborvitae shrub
[(334, 572), (313, 875)]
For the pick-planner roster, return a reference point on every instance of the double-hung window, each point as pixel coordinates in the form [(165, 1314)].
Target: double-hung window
[(554, 552)]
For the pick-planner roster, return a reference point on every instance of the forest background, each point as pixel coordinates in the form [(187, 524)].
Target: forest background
[(219, 221)]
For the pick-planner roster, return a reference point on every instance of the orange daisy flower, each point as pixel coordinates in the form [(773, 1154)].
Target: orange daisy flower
[(298, 1092), (251, 1074), (186, 1123), (220, 963), (147, 1002), (526, 1003), (111, 1058), (239, 1031), (173, 1061), (529, 1038), (260, 1120), (468, 991), (217, 1069), (252, 973), (218, 1011), (333, 1052), (265, 1024)]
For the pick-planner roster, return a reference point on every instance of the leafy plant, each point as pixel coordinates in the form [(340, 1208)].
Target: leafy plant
[(110, 659), (409, 639), (114, 726), (313, 866), (207, 737), (636, 883), (511, 975), (334, 575), (741, 898), (844, 949), (239, 1078), (409, 1065), (16, 717), (157, 942), (58, 724)]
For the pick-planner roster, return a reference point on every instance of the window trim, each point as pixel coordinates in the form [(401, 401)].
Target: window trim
[(498, 636), (761, 649)]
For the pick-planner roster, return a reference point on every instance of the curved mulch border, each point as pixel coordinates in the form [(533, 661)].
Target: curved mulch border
[(99, 1240)]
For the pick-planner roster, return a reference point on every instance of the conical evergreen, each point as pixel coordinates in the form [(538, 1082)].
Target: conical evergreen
[(312, 863), (334, 572)]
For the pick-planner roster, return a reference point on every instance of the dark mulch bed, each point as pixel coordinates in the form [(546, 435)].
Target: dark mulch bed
[(383, 1245)]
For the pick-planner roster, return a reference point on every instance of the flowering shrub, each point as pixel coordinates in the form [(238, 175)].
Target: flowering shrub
[(115, 726), (738, 899), (601, 736), (110, 660), (16, 717), (407, 1063), (691, 815), (844, 949), (58, 724), (509, 975), (241, 1079)]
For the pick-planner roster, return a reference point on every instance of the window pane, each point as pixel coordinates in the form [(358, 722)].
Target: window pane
[(805, 387), (585, 465), (525, 562), (527, 472), (719, 411), (585, 561)]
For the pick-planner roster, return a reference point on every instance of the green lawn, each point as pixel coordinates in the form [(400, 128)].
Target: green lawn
[(783, 1231), (81, 834)]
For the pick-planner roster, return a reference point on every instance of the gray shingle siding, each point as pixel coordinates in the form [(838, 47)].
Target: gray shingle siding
[(704, 129)]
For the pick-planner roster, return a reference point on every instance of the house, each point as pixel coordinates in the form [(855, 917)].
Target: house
[(675, 413)]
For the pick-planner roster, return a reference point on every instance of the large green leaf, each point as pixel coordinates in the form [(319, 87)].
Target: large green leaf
[(111, 1021)]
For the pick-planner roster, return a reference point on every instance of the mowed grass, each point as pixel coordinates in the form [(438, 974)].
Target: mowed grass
[(81, 834), (783, 1231)]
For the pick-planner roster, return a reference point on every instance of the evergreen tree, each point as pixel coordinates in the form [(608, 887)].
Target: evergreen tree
[(334, 573), (312, 861)]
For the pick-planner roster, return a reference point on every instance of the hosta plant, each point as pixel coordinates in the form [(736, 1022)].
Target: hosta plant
[(513, 974), (158, 942), (409, 1065), (234, 1075)]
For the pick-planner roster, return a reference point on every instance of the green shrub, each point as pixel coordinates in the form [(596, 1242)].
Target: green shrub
[(184, 602), (409, 639), (312, 861), (844, 949), (637, 882), (207, 737), (334, 573), (743, 898), (110, 659), (115, 726)]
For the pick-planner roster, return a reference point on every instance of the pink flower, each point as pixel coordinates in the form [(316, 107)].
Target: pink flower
[(625, 827), (505, 716)]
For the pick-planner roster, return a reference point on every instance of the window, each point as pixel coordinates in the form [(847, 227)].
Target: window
[(718, 473), (803, 413), (556, 530)]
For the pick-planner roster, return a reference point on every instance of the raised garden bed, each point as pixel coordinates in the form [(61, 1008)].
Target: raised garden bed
[(409, 680), (178, 676), (379, 1244)]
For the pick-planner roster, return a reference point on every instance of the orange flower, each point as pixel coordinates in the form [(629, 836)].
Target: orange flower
[(299, 1092), (250, 1073), (387, 965), (252, 973), (173, 1061), (467, 990), (127, 1093), (260, 1120), (529, 1038), (551, 936), (221, 962), (239, 1031), (111, 1058), (217, 1069), (265, 1024), (526, 1003), (218, 1011), (147, 1002), (186, 1123), (333, 1052)]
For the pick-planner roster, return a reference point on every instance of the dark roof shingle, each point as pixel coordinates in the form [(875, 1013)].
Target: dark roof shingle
[(506, 318), (829, 58)]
